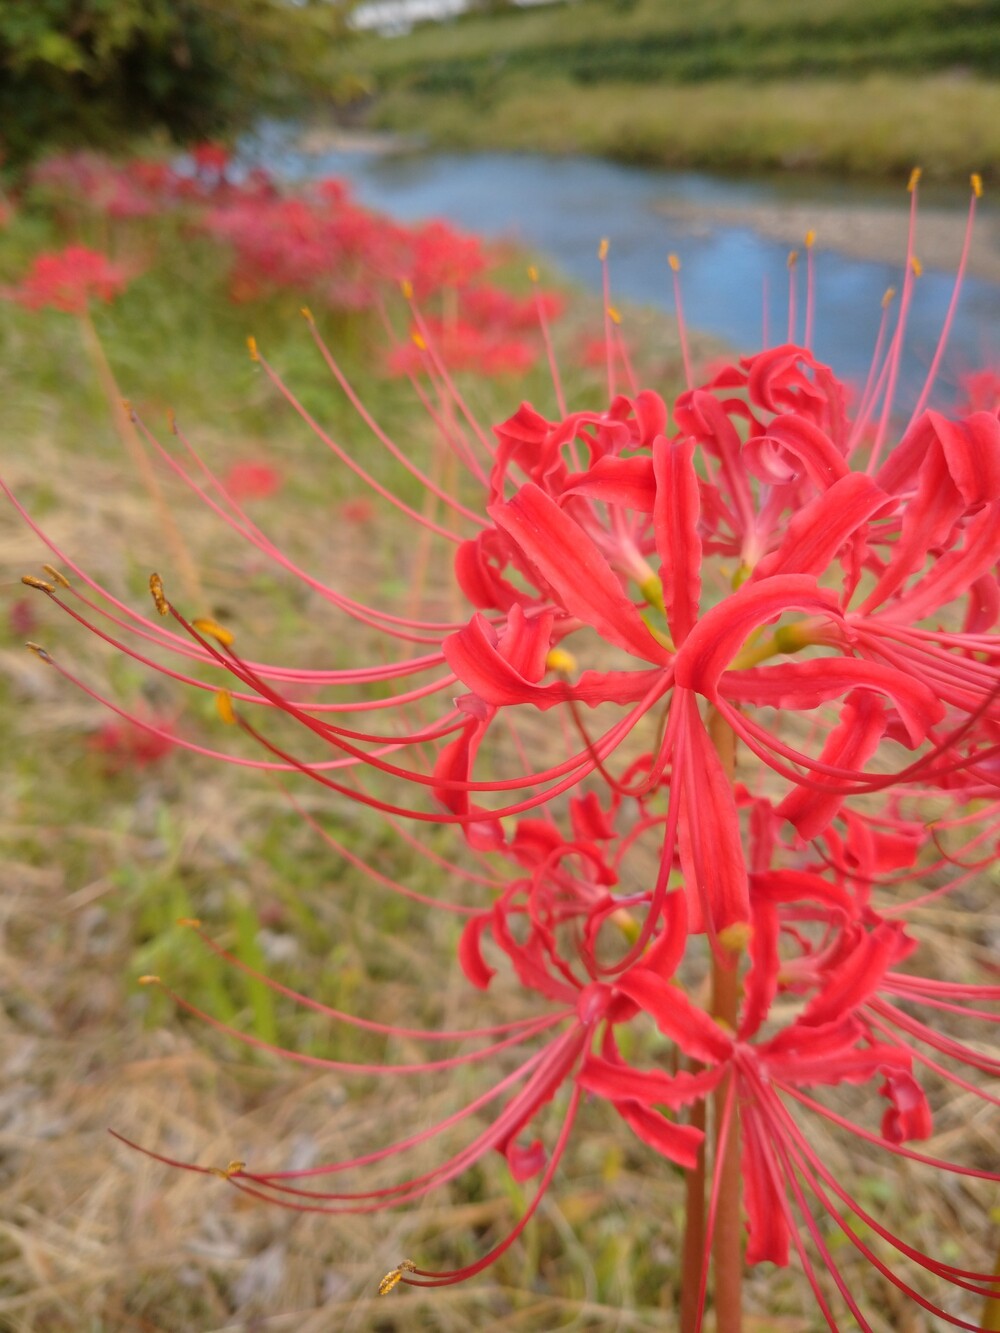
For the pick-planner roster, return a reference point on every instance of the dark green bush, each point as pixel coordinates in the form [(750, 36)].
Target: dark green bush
[(86, 71)]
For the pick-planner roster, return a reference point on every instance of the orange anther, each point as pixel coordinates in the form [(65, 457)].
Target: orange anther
[(30, 581), (159, 600)]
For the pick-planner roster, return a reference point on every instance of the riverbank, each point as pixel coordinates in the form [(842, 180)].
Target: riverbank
[(861, 231), (860, 89), (873, 128)]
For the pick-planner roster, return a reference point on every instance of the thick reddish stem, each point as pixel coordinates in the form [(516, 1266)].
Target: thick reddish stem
[(991, 1306), (694, 1232), (727, 1241)]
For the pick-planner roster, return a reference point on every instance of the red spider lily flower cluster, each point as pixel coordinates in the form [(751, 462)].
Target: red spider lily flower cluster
[(138, 187), (320, 242), (69, 280), (761, 632), (317, 243), (487, 331)]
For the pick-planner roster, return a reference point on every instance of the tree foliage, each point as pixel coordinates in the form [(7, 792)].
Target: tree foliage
[(84, 71)]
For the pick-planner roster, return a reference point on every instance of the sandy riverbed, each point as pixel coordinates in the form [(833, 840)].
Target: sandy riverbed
[(862, 231)]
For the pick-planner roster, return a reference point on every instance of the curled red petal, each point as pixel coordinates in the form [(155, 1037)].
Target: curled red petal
[(698, 1035), (675, 518), (576, 570), (723, 629)]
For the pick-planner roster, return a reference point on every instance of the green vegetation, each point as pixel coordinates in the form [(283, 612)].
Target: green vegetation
[(862, 88), (88, 72)]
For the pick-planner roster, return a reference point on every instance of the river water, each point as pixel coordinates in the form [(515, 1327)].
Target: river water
[(558, 208)]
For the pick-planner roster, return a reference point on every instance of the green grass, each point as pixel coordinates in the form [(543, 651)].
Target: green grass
[(846, 87)]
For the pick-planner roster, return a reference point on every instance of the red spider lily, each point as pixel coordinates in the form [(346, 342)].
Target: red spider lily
[(69, 280), (134, 188), (321, 242), (250, 480), (124, 746), (980, 392), (486, 331), (749, 573), (98, 185), (465, 347), (210, 159), (22, 617), (439, 258)]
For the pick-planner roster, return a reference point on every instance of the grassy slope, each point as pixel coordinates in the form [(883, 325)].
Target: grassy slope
[(99, 865), (866, 88)]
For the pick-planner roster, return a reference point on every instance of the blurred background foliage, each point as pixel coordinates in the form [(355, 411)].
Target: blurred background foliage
[(76, 72)]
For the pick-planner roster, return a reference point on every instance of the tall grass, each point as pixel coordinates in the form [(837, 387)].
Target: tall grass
[(881, 125), (865, 89)]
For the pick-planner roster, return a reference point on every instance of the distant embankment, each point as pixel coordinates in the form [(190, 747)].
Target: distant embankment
[(853, 86)]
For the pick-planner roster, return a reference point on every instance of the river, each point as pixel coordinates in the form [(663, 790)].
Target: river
[(732, 235)]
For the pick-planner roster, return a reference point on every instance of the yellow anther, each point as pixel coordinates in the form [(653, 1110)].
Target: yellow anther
[(976, 181), (614, 315), (890, 292), (793, 258), (56, 574), (150, 979), (393, 1278), (743, 572), (171, 421), (406, 287), (419, 341), (252, 348), (191, 921), (915, 175), (224, 707), (651, 588), (674, 262), (159, 600), (214, 631), (627, 924), (30, 581), (915, 266), (736, 937), (307, 314), (128, 409), (39, 651), (602, 249), (558, 659), (810, 239), (227, 1173), (792, 638), (532, 273)]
